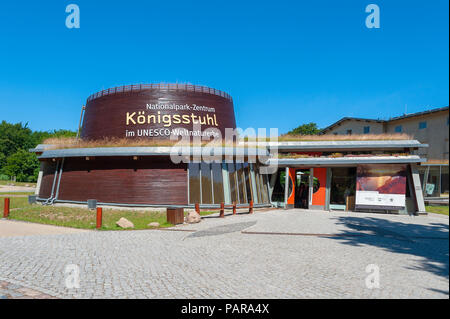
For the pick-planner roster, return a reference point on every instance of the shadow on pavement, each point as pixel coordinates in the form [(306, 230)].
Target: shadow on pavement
[(431, 242)]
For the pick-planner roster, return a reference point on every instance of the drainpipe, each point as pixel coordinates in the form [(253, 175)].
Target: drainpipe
[(55, 175), (59, 182), (81, 117)]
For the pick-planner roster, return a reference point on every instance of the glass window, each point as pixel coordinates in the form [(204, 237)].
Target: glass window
[(248, 182), (257, 182), (217, 183), (422, 125), (444, 179), (264, 189), (343, 184), (366, 129), (398, 129), (194, 183), (232, 175), (349, 132), (433, 185), (206, 183), (241, 183)]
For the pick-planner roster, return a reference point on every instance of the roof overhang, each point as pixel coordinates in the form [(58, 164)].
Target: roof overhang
[(344, 161), (327, 146), (154, 151)]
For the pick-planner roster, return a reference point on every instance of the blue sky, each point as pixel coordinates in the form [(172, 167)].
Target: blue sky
[(284, 62)]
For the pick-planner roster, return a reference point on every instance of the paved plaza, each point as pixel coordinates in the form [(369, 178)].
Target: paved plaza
[(269, 254)]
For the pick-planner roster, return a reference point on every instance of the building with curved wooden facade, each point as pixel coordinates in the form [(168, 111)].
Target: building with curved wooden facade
[(153, 176)]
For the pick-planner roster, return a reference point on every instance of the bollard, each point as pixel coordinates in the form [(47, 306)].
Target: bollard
[(234, 208), (251, 207), (197, 208), (99, 218), (222, 210), (6, 208)]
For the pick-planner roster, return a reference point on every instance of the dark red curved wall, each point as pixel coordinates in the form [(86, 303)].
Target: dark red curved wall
[(149, 180), (106, 116)]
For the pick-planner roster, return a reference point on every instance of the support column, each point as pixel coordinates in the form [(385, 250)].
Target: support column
[(417, 190), (253, 180), (286, 187), (328, 189), (226, 183), (425, 180), (310, 187), (39, 179)]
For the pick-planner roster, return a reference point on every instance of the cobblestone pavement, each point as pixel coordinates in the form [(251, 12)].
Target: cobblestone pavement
[(320, 255)]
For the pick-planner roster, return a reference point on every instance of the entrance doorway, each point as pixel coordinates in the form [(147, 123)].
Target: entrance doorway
[(302, 177)]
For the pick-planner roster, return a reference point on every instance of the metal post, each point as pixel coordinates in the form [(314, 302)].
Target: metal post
[(197, 208), (99, 217), (234, 208), (425, 180), (222, 210), (251, 207), (417, 190), (6, 208), (81, 117)]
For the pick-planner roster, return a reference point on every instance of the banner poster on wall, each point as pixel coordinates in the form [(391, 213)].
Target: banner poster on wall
[(381, 187)]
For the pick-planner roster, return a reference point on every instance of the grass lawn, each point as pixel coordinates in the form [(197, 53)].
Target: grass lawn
[(83, 217), (437, 209), (15, 202)]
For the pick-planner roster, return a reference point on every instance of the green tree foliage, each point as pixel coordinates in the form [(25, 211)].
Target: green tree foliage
[(22, 164), (305, 129), (14, 137), (15, 142)]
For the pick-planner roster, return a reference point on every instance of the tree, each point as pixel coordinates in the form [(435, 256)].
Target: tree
[(22, 164), (14, 137), (15, 142), (305, 129)]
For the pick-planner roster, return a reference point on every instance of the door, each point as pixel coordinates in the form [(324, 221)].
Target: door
[(302, 189)]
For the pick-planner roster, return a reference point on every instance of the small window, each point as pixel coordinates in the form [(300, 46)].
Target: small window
[(398, 129), (349, 132), (422, 125), (366, 129)]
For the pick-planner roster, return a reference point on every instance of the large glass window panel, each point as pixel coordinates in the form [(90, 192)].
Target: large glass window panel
[(434, 182), (248, 182), (232, 175), (194, 183), (258, 188), (206, 184), (444, 180), (343, 184), (261, 188), (241, 183), (265, 191), (217, 182)]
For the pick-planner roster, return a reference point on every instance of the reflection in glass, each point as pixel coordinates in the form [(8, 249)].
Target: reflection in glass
[(206, 183), (248, 183), (217, 182), (232, 175), (241, 185), (194, 183)]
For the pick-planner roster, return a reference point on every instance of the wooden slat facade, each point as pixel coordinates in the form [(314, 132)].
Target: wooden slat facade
[(105, 117), (148, 180)]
